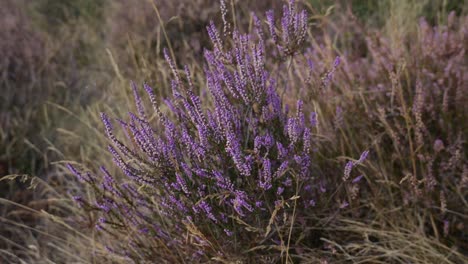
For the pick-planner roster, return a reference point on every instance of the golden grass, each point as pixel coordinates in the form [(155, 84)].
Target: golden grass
[(63, 129)]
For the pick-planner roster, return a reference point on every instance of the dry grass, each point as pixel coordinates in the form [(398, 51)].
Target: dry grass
[(53, 92)]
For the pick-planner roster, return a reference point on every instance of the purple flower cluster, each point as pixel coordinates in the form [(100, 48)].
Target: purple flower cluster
[(293, 28), (221, 165)]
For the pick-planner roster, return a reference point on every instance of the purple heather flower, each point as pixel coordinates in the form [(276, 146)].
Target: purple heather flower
[(224, 11), (438, 145), (322, 187), (240, 202), (280, 190), (201, 173), (177, 202), (187, 170), (337, 61), (282, 168), (338, 118), (326, 79), (215, 39), (99, 227), (228, 232), (258, 142), (208, 210), (293, 28), (310, 63), (265, 181), (347, 171), (233, 147), (307, 137), (173, 67), (270, 15), (363, 157), (344, 204), (223, 182), (109, 182), (223, 217), (278, 203), (313, 119), (287, 182), (78, 174), (446, 227), (357, 179), (293, 129), (195, 209), (79, 200), (258, 27), (124, 149), (138, 102), (144, 230), (106, 204), (181, 182), (300, 113)]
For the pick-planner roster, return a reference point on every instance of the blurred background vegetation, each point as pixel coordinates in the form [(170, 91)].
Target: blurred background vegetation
[(64, 61)]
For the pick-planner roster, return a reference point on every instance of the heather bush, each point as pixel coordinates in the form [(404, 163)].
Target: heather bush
[(255, 155), (223, 174), (409, 94)]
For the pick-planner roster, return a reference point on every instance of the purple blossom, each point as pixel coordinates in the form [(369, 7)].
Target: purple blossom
[(326, 79), (312, 203), (344, 204), (438, 145), (266, 179), (240, 202), (281, 169), (338, 118), (223, 182), (357, 179), (138, 102), (280, 190), (79, 200), (270, 15), (293, 129), (208, 210), (181, 182), (363, 157), (313, 119), (307, 137), (293, 28), (78, 174), (228, 232), (99, 227), (109, 183), (347, 171)]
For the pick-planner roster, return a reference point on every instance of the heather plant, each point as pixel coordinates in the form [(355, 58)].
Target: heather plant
[(223, 171), (219, 175), (410, 96)]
